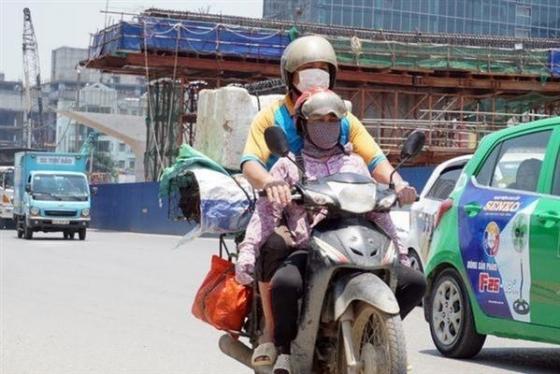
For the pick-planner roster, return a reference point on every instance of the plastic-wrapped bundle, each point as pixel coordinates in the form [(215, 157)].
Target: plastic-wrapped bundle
[(202, 192)]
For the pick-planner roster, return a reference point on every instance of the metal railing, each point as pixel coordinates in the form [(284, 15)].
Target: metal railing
[(462, 136)]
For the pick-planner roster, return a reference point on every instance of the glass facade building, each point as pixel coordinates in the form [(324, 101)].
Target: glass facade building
[(519, 18)]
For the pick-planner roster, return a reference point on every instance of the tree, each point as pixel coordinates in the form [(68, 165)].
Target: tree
[(103, 163)]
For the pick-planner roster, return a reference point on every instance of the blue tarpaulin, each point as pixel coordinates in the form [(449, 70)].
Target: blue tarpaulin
[(555, 62), (185, 36), (122, 37)]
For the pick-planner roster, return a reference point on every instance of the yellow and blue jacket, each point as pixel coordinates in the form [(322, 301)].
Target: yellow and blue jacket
[(281, 114)]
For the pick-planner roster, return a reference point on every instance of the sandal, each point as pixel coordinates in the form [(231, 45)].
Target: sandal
[(282, 365), (264, 355)]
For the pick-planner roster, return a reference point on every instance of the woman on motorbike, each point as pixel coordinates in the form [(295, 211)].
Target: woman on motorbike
[(281, 263)]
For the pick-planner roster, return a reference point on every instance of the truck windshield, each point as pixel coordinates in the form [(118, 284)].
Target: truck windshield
[(7, 179), (60, 187)]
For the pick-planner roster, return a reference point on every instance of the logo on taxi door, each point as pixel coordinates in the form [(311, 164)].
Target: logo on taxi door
[(491, 240)]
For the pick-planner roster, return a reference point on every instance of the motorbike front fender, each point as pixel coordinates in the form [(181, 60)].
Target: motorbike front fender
[(366, 287)]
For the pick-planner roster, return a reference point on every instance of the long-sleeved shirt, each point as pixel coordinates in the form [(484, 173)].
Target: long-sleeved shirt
[(281, 113), (268, 215)]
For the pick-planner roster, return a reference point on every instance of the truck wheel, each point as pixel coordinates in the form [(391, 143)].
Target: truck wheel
[(19, 229), (27, 231), (66, 235), (82, 234), (451, 319)]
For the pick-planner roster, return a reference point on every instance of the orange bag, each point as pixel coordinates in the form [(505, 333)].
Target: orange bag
[(220, 300)]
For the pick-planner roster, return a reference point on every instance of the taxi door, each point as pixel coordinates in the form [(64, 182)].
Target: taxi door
[(495, 214), (545, 242)]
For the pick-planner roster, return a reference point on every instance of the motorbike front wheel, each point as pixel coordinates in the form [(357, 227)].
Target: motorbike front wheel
[(378, 340)]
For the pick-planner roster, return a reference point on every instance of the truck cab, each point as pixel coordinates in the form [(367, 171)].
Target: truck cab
[(6, 194), (51, 194)]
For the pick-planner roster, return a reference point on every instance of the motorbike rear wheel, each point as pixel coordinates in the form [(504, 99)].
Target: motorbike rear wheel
[(378, 340)]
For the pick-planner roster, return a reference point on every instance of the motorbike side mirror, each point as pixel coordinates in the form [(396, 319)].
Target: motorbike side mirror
[(276, 141), (411, 148), (413, 145), (28, 188)]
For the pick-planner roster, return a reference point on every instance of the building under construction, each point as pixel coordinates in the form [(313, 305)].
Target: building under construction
[(456, 87)]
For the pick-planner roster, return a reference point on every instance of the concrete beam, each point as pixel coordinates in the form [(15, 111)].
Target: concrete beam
[(129, 129)]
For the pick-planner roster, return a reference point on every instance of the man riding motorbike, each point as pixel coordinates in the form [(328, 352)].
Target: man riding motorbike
[(320, 121), (308, 62)]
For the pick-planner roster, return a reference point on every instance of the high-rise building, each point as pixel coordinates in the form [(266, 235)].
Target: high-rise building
[(519, 18), (11, 112)]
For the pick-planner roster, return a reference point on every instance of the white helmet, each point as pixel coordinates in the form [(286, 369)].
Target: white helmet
[(305, 50)]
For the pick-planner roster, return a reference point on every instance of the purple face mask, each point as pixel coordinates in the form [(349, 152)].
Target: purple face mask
[(322, 138)]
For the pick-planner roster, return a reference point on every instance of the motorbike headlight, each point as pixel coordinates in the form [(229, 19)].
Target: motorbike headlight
[(34, 211), (85, 212), (355, 198)]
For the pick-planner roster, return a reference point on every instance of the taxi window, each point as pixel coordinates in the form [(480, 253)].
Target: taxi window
[(556, 180), (445, 184), (516, 163)]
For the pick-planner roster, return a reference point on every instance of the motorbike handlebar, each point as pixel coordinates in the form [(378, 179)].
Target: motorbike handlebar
[(295, 194)]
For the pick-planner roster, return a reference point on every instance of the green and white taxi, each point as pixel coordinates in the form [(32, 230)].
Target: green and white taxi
[(494, 263)]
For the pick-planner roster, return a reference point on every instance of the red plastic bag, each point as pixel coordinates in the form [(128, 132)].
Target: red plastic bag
[(220, 300)]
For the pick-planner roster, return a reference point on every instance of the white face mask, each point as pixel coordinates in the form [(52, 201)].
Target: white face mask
[(311, 78)]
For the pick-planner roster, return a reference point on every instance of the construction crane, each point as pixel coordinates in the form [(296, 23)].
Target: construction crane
[(88, 147), (32, 80)]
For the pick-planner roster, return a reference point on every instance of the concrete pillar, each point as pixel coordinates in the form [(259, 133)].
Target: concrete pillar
[(129, 129)]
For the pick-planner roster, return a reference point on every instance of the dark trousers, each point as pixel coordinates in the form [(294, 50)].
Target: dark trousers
[(411, 286), (286, 289)]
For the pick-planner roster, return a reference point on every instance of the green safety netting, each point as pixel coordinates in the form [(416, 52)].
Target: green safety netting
[(519, 104), (390, 54)]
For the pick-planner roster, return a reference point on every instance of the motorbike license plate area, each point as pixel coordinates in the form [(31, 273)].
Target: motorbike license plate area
[(61, 222)]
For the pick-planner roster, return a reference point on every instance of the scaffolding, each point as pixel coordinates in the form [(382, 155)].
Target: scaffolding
[(456, 87), (163, 122)]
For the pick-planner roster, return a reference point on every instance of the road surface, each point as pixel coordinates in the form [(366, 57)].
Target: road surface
[(120, 303)]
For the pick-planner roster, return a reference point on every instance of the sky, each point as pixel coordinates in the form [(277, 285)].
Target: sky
[(70, 23)]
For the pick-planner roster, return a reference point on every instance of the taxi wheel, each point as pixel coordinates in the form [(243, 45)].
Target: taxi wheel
[(450, 318), (82, 234)]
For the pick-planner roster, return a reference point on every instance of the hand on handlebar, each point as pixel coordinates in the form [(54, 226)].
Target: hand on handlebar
[(278, 192), (405, 193)]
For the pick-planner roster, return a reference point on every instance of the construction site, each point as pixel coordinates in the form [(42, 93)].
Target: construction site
[(456, 87)]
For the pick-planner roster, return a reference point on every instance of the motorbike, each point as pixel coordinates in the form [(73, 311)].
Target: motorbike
[(349, 317)]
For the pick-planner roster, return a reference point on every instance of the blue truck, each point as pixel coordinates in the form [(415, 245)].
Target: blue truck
[(51, 194)]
